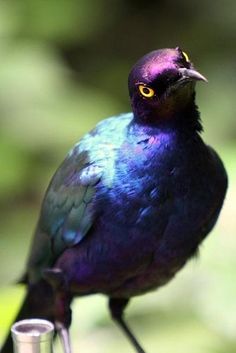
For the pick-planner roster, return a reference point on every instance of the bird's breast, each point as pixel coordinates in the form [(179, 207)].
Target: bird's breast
[(141, 188), (162, 200)]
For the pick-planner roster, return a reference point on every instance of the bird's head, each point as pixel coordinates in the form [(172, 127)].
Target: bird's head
[(161, 85)]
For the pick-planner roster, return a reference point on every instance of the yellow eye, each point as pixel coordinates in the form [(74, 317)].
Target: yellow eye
[(146, 91), (185, 56)]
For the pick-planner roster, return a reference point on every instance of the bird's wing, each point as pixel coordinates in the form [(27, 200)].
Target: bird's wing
[(67, 213), (68, 210)]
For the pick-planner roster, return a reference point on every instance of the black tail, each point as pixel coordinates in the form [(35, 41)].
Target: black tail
[(38, 303)]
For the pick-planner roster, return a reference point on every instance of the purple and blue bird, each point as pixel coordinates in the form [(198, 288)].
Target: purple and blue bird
[(130, 204)]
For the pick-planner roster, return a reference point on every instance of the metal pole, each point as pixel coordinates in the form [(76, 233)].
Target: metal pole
[(32, 336)]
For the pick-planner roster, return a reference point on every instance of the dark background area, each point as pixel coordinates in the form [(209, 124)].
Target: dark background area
[(64, 67)]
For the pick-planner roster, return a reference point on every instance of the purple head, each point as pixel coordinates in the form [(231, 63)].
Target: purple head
[(161, 84)]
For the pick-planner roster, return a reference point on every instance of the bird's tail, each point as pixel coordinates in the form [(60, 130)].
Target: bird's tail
[(38, 303)]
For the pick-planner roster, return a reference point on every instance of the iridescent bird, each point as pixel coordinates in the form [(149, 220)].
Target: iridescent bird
[(131, 202)]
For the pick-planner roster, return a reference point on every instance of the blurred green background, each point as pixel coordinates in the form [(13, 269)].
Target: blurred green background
[(63, 67)]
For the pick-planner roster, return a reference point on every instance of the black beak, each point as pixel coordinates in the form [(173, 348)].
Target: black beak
[(190, 74)]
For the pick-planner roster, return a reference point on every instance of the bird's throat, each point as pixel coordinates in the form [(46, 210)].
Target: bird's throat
[(174, 109)]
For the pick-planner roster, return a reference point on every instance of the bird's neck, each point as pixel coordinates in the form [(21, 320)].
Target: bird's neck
[(184, 117)]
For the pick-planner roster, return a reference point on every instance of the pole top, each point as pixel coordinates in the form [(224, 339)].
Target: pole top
[(32, 330)]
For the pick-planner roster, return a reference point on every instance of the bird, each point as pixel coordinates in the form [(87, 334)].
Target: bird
[(130, 204)]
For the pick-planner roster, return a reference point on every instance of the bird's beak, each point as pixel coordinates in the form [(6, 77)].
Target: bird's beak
[(191, 74)]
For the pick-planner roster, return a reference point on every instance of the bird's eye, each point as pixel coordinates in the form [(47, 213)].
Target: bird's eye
[(185, 56), (146, 91)]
